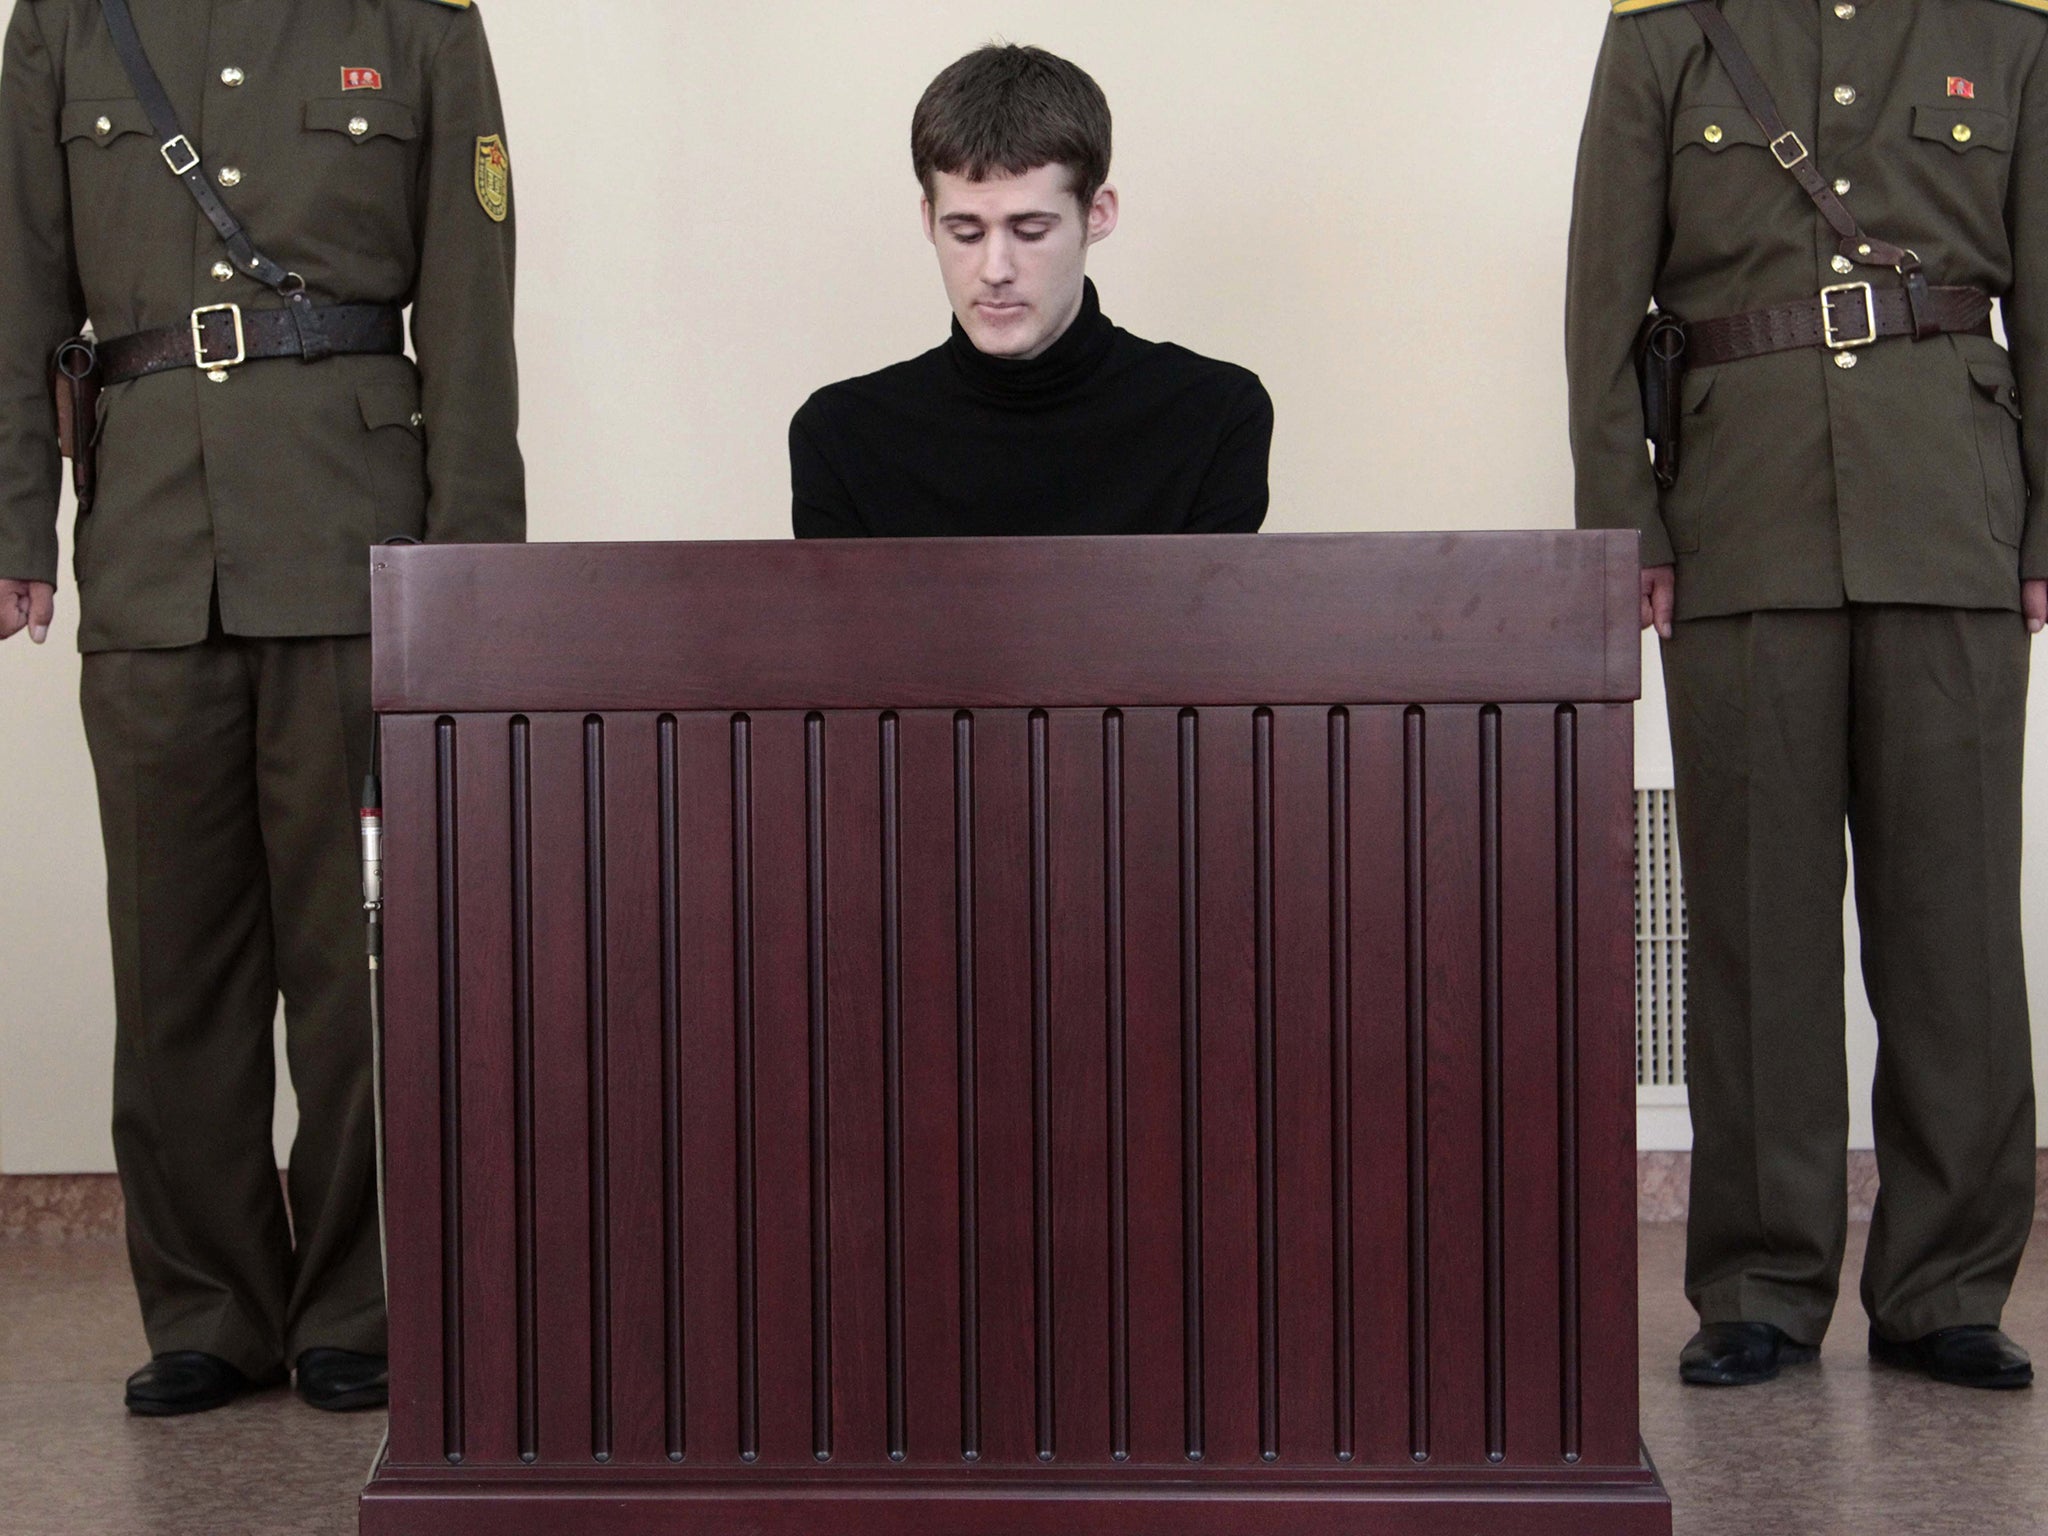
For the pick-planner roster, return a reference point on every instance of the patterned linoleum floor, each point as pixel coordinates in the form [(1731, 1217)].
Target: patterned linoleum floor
[(1837, 1449)]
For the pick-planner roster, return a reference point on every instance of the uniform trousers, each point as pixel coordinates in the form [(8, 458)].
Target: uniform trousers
[(228, 776), (1905, 723)]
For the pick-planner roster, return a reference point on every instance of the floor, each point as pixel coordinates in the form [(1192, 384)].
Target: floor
[(1830, 1450), (1843, 1448)]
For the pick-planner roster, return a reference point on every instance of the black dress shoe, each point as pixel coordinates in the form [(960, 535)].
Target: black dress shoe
[(1739, 1354), (1974, 1356), (340, 1380), (185, 1381)]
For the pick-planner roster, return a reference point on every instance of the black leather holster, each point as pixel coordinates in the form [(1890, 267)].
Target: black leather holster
[(1660, 370), (75, 381)]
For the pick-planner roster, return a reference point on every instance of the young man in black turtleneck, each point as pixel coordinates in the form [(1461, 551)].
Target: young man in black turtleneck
[(1038, 416)]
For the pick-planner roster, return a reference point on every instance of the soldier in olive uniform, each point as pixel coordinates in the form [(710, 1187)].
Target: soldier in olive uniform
[(223, 587), (1845, 574)]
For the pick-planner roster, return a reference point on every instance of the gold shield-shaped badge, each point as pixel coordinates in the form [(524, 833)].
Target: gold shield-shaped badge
[(494, 177)]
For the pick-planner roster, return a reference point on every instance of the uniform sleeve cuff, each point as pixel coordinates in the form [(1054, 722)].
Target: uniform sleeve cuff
[(29, 570), (1656, 544), (2034, 546)]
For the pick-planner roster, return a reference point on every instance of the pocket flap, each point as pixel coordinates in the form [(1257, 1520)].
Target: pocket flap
[(1996, 381), (1715, 129), (1963, 129), (390, 404), (102, 122), (363, 117)]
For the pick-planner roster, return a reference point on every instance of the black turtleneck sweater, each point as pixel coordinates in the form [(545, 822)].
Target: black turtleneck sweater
[(1101, 433)]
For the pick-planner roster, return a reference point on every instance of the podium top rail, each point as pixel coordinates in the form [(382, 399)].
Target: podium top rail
[(1210, 621)]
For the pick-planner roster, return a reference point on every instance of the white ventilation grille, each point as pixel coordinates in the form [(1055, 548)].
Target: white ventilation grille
[(1660, 945)]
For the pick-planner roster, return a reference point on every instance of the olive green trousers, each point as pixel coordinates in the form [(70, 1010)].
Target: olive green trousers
[(228, 778), (1905, 724)]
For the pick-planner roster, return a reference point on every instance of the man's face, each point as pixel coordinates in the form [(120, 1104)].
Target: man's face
[(1013, 251)]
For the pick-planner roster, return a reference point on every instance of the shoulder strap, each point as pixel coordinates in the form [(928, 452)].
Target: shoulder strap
[(177, 150), (184, 163), (1788, 149)]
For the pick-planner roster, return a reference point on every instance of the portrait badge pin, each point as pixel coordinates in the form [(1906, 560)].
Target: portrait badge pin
[(361, 80), (1962, 89)]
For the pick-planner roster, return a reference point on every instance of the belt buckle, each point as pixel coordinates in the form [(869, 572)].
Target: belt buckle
[(1830, 337), (199, 358), (172, 154)]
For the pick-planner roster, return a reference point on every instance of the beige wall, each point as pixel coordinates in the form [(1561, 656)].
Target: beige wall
[(1367, 203)]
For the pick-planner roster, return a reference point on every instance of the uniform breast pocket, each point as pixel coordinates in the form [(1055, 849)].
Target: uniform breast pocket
[(1968, 149), (110, 152), (1721, 163), (101, 123), (1995, 407), (397, 455), (361, 150), (1718, 140)]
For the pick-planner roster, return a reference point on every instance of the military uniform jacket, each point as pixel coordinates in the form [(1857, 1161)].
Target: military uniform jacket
[(1803, 483), (361, 142)]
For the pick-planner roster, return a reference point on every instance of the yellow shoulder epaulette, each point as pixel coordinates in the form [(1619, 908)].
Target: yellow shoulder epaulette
[(453, 5), (2029, 5)]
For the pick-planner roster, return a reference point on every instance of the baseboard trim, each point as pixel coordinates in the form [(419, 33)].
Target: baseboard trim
[(62, 1207), (59, 1207), (1663, 1180)]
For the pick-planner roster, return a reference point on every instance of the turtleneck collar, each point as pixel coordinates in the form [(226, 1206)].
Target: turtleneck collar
[(1066, 363)]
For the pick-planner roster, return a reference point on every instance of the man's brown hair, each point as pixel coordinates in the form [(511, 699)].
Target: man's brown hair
[(1008, 109)]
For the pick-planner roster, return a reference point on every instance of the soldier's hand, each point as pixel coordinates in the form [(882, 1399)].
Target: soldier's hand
[(26, 605), (1660, 594), (2034, 604)]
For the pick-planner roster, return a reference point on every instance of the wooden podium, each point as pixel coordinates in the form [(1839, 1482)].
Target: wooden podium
[(1011, 1038)]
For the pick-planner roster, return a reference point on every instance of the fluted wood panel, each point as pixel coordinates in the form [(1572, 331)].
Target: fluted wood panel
[(1243, 1025), (917, 1119)]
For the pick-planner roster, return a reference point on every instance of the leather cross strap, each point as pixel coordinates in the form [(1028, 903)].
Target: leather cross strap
[(1786, 146), (177, 150), (184, 163), (231, 335), (1853, 315)]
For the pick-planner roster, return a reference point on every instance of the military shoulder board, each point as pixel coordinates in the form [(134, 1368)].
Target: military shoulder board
[(453, 5)]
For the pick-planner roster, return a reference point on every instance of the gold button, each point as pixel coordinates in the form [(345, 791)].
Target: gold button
[(1845, 359), (232, 76), (1862, 250), (1841, 186), (1960, 133), (1844, 265), (230, 177), (1845, 94), (358, 126), (222, 271), (1713, 135), (1846, 11), (103, 127), (217, 376)]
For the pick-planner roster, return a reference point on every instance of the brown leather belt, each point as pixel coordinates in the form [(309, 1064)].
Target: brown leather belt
[(222, 336), (1846, 316)]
